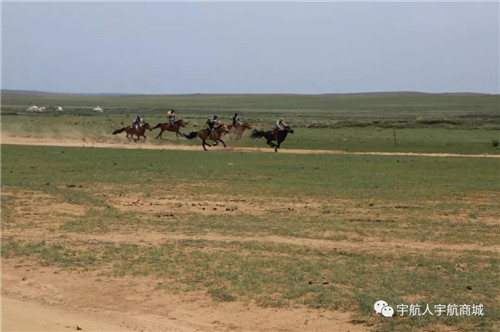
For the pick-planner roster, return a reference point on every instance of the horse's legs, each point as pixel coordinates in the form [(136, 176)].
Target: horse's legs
[(203, 143), (159, 135), (277, 146), (271, 144), (216, 143), (223, 143)]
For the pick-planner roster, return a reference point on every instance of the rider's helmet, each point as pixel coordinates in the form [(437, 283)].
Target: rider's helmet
[(282, 120), (215, 116)]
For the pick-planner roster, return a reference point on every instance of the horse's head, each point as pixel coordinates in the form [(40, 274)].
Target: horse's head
[(247, 125), (147, 126), (222, 129), (181, 123), (289, 129)]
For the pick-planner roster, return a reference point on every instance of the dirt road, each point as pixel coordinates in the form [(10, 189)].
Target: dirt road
[(17, 140)]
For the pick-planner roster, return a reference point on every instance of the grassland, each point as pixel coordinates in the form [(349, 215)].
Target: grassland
[(325, 232), (467, 124), (321, 231)]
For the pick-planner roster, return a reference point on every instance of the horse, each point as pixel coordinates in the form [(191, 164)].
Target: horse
[(167, 126), (239, 129), (270, 136), (130, 130), (214, 136)]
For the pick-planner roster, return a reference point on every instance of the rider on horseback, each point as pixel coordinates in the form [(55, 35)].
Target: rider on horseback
[(211, 124), (280, 125), (171, 117), (137, 123), (236, 120)]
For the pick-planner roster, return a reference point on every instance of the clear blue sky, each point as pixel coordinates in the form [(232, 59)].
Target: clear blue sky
[(306, 48)]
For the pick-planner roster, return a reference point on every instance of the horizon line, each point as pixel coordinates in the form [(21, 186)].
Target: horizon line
[(241, 93)]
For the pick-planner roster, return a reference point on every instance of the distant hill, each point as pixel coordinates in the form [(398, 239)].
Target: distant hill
[(8, 92), (52, 94), (381, 102)]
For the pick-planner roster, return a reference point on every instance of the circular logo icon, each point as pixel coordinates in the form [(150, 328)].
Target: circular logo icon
[(387, 311), (379, 305)]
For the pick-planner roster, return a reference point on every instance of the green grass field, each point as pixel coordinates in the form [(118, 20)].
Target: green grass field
[(402, 122), (319, 231), (435, 215)]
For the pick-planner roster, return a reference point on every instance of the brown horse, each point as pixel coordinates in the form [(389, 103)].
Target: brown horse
[(214, 136), (167, 126), (239, 129), (131, 131)]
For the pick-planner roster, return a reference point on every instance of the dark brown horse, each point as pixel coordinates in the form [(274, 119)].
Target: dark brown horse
[(131, 131), (167, 126), (270, 136), (214, 136), (238, 130)]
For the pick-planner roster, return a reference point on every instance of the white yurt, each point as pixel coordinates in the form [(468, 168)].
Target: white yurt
[(33, 108), (98, 109), (59, 109)]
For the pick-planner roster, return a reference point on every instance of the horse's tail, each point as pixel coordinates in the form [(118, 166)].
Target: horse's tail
[(257, 133), (192, 135), (117, 131), (157, 126)]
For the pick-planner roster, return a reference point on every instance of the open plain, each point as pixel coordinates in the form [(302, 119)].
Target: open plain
[(374, 197)]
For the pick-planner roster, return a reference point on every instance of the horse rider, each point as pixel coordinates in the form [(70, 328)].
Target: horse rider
[(171, 117), (137, 123), (211, 124), (280, 125), (236, 120)]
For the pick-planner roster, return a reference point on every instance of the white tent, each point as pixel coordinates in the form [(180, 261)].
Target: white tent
[(98, 109), (33, 108), (59, 109)]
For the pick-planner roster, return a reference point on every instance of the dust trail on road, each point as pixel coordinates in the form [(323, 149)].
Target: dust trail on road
[(148, 146)]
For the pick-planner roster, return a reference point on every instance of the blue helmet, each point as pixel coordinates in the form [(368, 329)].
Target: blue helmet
[(215, 116)]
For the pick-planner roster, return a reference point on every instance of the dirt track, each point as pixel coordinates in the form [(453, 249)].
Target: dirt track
[(148, 146)]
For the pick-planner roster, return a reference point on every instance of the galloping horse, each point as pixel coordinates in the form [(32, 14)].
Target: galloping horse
[(269, 136), (239, 130), (214, 136), (130, 130), (167, 126)]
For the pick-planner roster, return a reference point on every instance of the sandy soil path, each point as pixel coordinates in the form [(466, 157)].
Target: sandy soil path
[(29, 316), (17, 140), (36, 298)]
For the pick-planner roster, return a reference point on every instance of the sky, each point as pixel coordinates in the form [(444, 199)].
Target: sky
[(228, 47)]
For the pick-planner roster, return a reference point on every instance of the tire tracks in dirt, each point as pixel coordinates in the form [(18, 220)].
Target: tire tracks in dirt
[(369, 245)]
